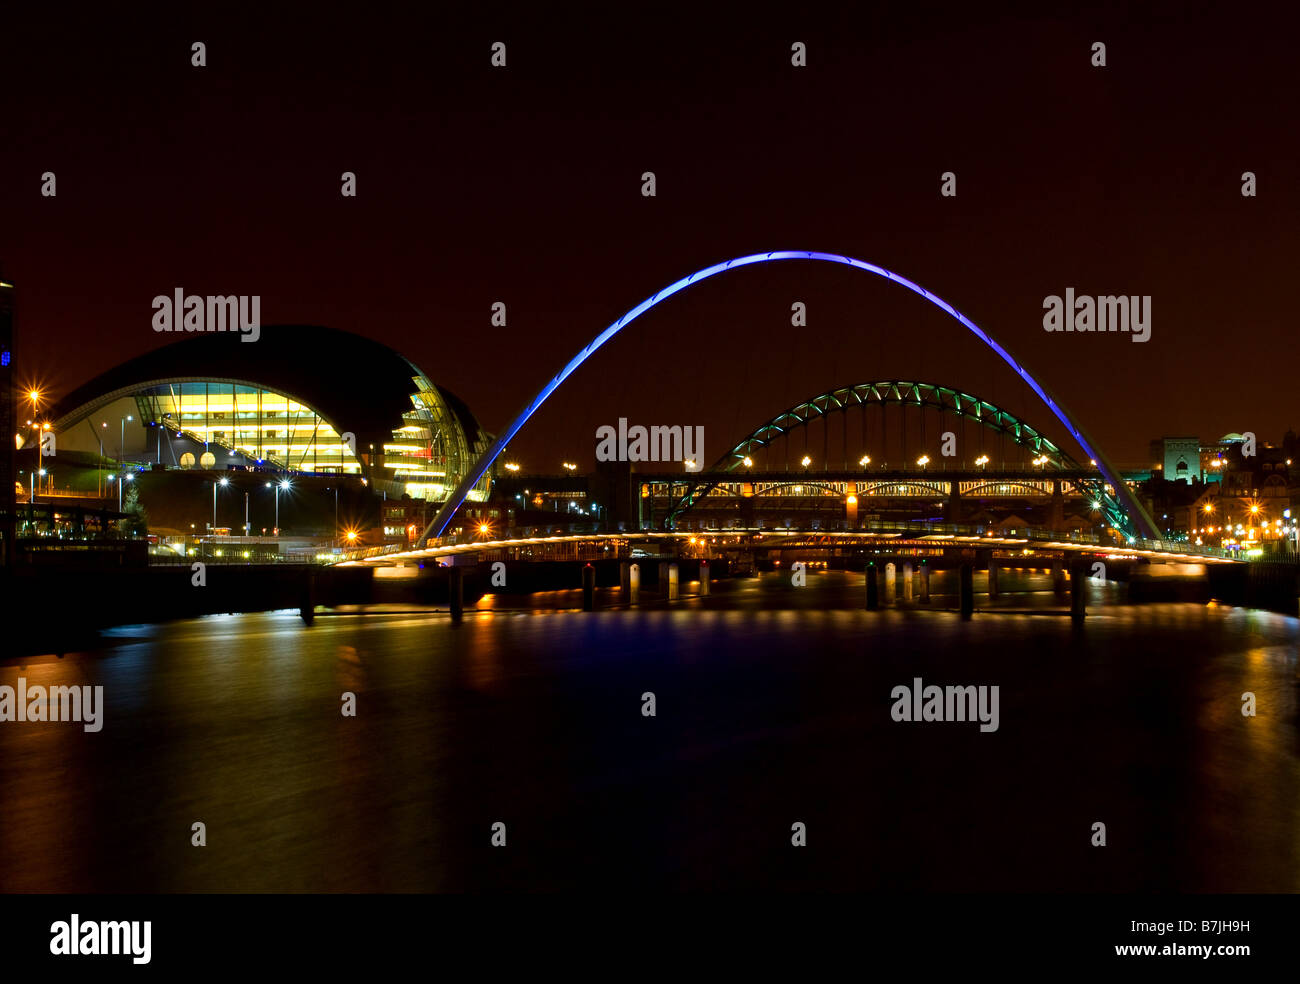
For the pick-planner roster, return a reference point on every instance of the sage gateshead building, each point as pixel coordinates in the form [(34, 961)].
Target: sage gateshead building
[(302, 399)]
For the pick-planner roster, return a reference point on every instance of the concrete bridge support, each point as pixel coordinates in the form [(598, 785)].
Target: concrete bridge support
[(307, 607), (588, 588), (456, 592), (873, 588), (952, 511), (633, 584), (966, 575), (907, 581), (993, 579), (891, 583), (672, 582), (704, 579), (925, 583), (1078, 590)]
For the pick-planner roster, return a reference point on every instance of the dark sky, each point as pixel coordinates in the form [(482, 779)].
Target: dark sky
[(522, 185)]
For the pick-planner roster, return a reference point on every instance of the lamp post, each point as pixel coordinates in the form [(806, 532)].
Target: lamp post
[(32, 503), (100, 464), (223, 482), (36, 466), (121, 441), (280, 486)]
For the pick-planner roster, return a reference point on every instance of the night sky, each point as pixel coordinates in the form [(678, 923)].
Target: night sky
[(523, 185)]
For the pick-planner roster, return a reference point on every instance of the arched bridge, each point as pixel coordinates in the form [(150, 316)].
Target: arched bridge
[(1135, 517), (869, 457)]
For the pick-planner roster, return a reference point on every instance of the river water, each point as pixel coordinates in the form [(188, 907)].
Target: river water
[(772, 707)]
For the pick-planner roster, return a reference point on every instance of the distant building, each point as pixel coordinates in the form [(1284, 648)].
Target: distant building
[(1178, 459)]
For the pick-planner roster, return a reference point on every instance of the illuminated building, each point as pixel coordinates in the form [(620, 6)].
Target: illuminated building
[(302, 399)]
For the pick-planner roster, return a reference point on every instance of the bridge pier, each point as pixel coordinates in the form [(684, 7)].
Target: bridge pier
[(633, 583), (456, 592), (624, 577), (873, 589), (925, 583), (588, 588), (891, 586), (672, 582), (907, 581), (993, 578), (307, 606), (1078, 590), (952, 511), (704, 579), (967, 579), (1056, 519)]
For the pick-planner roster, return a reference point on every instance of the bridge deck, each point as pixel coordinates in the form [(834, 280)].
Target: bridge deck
[(903, 535)]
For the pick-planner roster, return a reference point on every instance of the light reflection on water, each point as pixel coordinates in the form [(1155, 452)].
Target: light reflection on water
[(765, 716)]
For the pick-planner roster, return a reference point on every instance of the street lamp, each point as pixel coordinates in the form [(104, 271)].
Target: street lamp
[(223, 483), (282, 486), (103, 424), (864, 461), (923, 461), (982, 461), (37, 473), (121, 442), (36, 463), (806, 461)]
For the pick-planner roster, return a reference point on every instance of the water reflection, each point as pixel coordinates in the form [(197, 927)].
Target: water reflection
[(764, 716)]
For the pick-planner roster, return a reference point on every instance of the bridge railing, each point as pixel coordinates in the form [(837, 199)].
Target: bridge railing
[(1030, 534), (915, 528)]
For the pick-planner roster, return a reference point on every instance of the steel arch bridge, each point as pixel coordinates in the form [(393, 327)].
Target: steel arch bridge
[(907, 394), (1137, 519)]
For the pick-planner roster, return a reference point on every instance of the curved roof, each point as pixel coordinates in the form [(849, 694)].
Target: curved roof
[(357, 384)]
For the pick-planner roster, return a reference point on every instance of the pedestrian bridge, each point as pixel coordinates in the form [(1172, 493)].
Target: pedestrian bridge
[(876, 536)]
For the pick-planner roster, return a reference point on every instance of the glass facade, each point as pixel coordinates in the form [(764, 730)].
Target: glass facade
[(426, 458), (430, 452), (257, 423)]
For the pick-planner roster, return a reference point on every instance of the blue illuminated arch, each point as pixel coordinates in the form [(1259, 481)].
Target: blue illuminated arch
[(1143, 523)]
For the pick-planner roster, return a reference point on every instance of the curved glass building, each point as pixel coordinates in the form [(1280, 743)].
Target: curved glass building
[(302, 399)]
